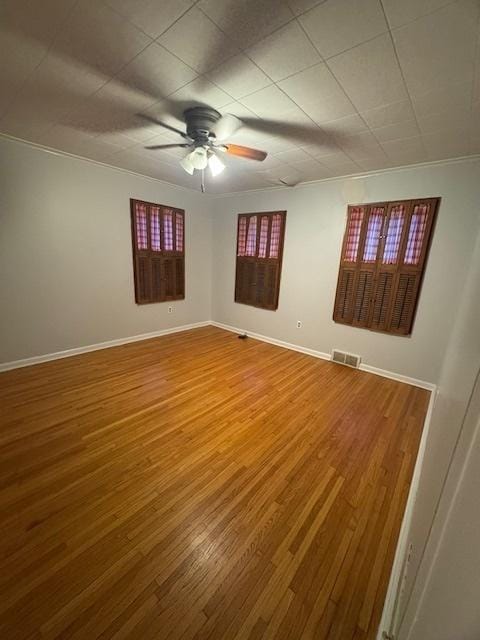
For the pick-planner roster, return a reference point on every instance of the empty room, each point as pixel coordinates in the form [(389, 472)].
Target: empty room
[(240, 320)]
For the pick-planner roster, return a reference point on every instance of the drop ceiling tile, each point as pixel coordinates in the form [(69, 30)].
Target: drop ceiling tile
[(300, 6), (310, 170), (318, 93), (269, 102), (26, 32), (156, 72), (151, 16), (197, 41), (407, 129), (362, 140), (374, 163), (446, 98), (239, 76), (388, 114), (347, 126), (285, 52), (370, 74), (87, 37), (360, 153), (117, 95), (407, 150), (447, 144), (438, 49), (335, 160), (248, 21), (347, 168), (293, 155), (337, 25), (200, 92), (445, 121), (400, 13)]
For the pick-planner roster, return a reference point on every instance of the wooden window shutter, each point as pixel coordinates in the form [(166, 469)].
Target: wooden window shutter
[(158, 252), (382, 263), (260, 238)]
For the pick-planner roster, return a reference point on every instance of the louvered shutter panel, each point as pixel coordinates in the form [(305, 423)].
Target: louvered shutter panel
[(179, 278), (345, 297), (382, 264), (259, 256), (413, 256), (158, 252)]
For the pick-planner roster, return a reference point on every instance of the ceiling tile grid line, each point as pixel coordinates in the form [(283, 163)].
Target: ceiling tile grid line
[(401, 72), (340, 85)]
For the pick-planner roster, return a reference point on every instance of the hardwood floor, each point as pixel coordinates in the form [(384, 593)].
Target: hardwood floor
[(199, 486)]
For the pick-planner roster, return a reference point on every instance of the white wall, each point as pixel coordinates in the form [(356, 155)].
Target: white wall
[(66, 276), (314, 230), (451, 434), (449, 606)]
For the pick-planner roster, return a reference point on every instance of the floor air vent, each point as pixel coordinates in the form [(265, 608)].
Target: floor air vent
[(349, 359)]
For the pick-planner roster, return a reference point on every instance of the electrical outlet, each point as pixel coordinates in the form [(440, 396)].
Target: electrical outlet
[(170, 309), (299, 324)]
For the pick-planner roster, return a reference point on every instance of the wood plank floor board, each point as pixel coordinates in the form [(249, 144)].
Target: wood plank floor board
[(196, 487)]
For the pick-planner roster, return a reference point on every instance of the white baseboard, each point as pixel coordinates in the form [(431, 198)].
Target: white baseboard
[(326, 356), (389, 619), (27, 362)]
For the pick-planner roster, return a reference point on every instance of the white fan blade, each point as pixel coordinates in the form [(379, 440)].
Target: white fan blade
[(226, 126)]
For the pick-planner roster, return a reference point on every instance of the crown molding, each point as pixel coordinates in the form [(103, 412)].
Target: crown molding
[(301, 185), (66, 154), (353, 176)]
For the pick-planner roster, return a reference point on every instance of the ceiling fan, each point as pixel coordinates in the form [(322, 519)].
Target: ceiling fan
[(206, 129)]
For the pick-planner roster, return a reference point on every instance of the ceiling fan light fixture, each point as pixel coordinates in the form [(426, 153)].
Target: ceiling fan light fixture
[(215, 165), (198, 158), (187, 165)]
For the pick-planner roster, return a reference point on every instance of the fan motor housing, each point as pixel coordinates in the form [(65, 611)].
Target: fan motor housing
[(199, 121)]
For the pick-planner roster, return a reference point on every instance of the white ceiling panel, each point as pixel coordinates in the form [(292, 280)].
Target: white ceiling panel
[(325, 87), (87, 37), (370, 74), (439, 49), (157, 72), (388, 114), (319, 94), (404, 11), (407, 129), (285, 52), (239, 76), (151, 16), (196, 40), (451, 97), (247, 21), (337, 25)]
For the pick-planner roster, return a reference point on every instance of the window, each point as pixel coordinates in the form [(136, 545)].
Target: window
[(384, 254), (259, 258), (158, 252)]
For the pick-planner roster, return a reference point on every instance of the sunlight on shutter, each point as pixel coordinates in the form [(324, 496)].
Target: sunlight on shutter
[(275, 235), (141, 225), (262, 246), (155, 228), (416, 234), (374, 230), (353, 234), (394, 235), (179, 231), (242, 236), (251, 237), (168, 230)]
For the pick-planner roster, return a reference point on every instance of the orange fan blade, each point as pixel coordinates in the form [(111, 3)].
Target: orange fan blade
[(245, 152)]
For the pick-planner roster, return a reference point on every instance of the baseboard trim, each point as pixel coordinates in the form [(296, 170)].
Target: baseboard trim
[(27, 362), (430, 386), (389, 619)]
